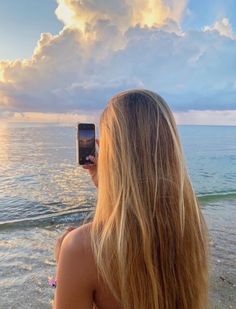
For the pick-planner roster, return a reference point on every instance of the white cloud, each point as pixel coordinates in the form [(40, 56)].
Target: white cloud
[(223, 27), (206, 117), (101, 51)]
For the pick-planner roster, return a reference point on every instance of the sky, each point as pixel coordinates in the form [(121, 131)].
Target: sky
[(62, 60)]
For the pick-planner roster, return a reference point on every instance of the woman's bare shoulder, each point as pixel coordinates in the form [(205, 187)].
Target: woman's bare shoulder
[(77, 243), (76, 272), (79, 239)]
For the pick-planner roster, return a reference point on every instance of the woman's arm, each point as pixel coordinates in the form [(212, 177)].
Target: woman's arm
[(75, 272)]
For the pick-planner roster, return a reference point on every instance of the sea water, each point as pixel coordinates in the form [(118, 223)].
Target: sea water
[(42, 191)]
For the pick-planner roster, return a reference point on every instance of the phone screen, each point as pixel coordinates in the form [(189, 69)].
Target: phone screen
[(86, 142)]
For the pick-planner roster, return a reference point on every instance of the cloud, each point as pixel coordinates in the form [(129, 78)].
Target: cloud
[(54, 117), (206, 117), (223, 27), (123, 14), (194, 117), (107, 47)]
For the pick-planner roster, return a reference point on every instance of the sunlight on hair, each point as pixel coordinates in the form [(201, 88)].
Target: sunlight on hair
[(147, 220)]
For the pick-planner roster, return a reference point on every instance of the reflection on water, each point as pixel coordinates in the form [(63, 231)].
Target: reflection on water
[(39, 173), (4, 143)]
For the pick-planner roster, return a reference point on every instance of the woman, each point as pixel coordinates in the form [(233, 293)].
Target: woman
[(146, 247)]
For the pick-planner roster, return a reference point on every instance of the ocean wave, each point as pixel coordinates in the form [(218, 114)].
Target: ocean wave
[(70, 216), (216, 196), (81, 213)]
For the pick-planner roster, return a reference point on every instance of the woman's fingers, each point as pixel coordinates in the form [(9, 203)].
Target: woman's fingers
[(92, 158), (88, 166)]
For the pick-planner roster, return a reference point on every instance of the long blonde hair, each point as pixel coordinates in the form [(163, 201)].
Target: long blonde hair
[(148, 234)]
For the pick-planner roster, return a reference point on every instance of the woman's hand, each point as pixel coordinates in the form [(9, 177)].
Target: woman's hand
[(59, 241), (92, 167)]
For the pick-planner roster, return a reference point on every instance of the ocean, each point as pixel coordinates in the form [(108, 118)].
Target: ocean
[(43, 190)]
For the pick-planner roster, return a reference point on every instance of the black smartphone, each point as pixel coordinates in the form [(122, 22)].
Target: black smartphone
[(85, 142)]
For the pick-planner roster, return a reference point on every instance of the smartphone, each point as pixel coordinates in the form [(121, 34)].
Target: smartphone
[(85, 142)]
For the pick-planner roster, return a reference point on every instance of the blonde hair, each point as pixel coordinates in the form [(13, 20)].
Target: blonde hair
[(148, 233)]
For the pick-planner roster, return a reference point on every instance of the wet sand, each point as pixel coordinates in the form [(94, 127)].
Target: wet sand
[(220, 216)]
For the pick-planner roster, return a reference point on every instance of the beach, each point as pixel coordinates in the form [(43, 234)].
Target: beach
[(42, 191), (222, 233)]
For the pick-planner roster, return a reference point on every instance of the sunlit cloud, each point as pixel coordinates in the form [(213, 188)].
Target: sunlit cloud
[(83, 15), (223, 27), (106, 47)]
